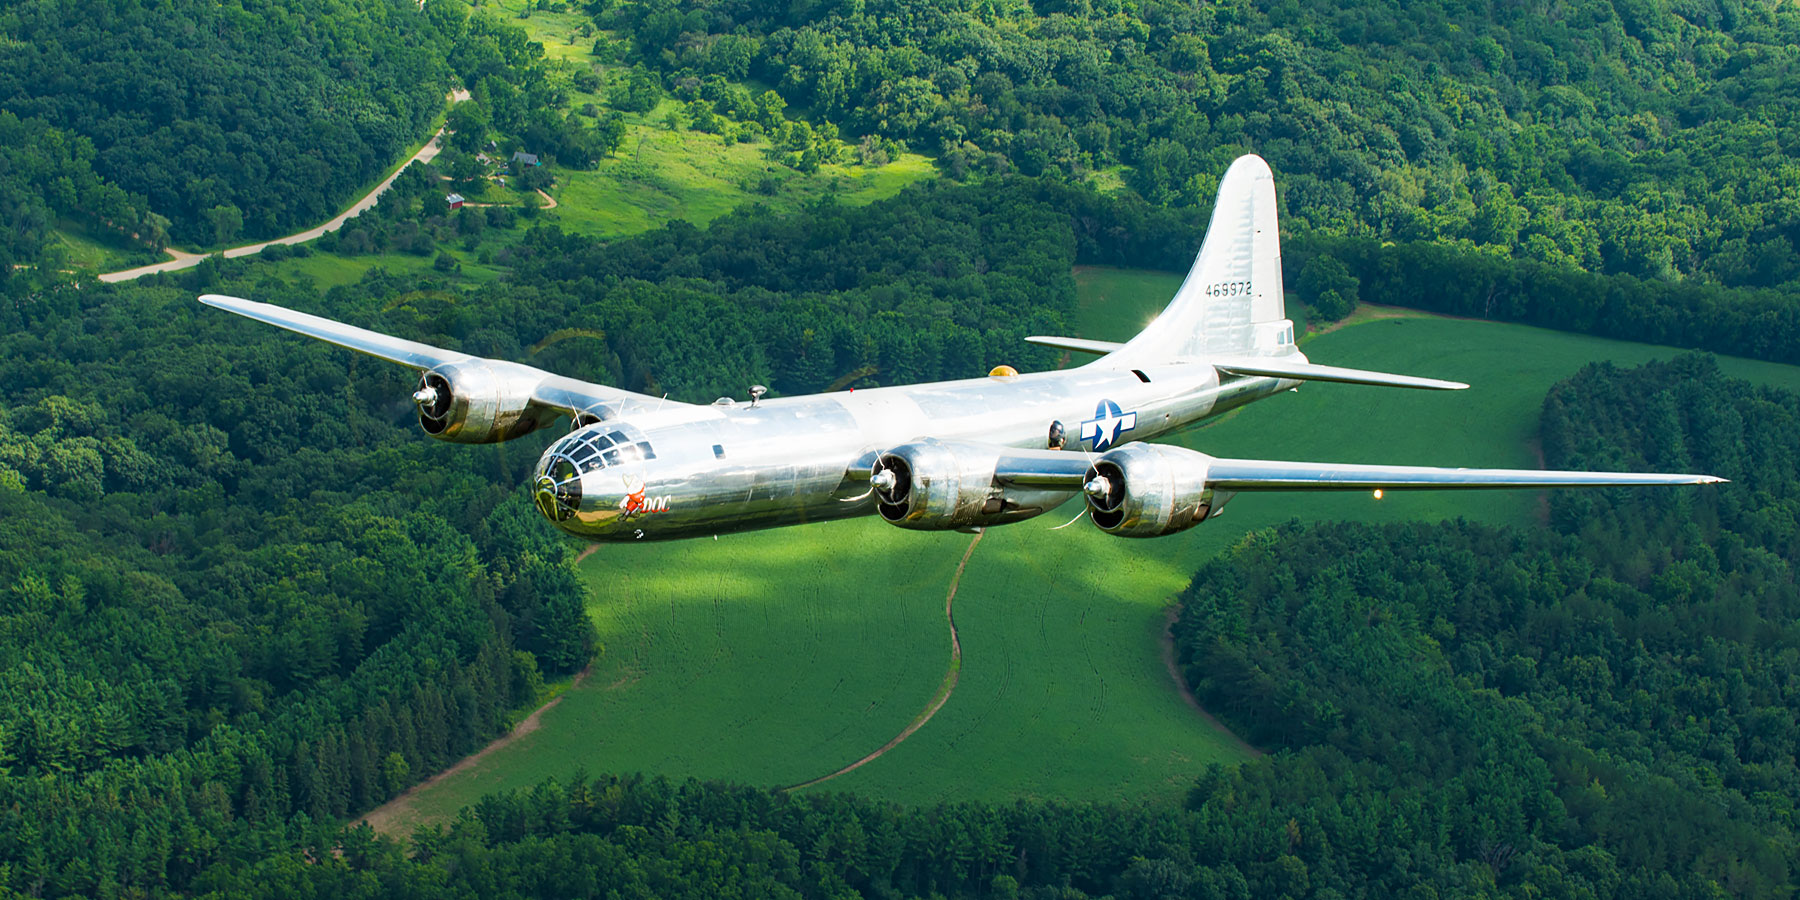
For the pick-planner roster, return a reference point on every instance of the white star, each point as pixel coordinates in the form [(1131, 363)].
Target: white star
[(1104, 431)]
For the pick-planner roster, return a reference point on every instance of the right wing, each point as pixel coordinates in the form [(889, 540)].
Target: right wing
[(552, 391), (1276, 475), (1063, 470)]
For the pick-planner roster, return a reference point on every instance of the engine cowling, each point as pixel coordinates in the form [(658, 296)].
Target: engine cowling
[(480, 402), (934, 485), (1149, 490)]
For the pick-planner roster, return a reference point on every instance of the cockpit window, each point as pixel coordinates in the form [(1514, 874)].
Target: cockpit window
[(558, 482)]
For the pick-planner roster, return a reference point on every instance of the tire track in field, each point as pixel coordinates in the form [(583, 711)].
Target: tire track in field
[(945, 689)]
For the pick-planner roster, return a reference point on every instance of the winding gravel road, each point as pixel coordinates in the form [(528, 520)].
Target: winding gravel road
[(182, 260)]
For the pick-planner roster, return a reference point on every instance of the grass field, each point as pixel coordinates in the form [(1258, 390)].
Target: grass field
[(659, 174), (775, 657), (328, 270), (88, 251)]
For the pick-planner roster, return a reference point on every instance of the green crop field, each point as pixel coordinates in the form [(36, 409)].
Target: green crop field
[(776, 657)]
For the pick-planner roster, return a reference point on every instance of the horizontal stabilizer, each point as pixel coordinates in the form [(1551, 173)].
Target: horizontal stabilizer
[(1079, 345), (1276, 368)]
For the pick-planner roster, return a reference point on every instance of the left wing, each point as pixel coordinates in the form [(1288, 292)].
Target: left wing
[(1059, 469), (550, 391)]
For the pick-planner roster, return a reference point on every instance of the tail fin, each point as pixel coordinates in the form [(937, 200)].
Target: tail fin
[(1231, 303)]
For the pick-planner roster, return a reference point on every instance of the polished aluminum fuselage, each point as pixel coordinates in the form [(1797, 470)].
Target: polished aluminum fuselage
[(739, 466)]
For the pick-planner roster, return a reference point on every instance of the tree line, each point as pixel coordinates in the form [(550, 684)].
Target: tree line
[(1759, 323)]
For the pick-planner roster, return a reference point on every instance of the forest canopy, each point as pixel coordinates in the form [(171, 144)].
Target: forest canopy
[(277, 111), (1621, 137)]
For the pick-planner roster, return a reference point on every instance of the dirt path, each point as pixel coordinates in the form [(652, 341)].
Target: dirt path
[(1371, 312), (384, 817), (937, 700), (1167, 641), (181, 260)]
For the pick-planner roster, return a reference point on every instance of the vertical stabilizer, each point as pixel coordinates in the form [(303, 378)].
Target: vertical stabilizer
[(1231, 303)]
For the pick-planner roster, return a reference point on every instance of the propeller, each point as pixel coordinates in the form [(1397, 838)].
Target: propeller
[(890, 480)]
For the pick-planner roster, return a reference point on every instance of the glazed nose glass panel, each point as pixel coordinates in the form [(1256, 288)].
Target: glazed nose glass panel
[(557, 486)]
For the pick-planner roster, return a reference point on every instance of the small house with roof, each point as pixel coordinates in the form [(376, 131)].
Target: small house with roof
[(521, 158), (455, 200)]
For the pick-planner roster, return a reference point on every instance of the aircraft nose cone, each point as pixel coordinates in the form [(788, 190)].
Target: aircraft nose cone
[(557, 492)]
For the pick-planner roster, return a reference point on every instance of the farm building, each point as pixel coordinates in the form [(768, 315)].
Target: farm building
[(455, 200), (522, 158)]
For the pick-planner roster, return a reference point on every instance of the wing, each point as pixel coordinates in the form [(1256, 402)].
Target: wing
[(1056, 469), (1276, 475), (552, 391)]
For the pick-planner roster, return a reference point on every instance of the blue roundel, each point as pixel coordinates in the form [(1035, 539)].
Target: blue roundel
[(1109, 421)]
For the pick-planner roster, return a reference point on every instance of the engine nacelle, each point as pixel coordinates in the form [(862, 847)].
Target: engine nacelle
[(934, 485), (1149, 490), (480, 402)]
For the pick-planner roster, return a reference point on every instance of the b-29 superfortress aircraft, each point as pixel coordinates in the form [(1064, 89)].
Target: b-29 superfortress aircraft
[(950, 455)]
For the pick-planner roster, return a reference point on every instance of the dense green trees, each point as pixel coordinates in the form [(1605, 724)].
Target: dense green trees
[(1611, 706), (942, 282), (241, 597), (47, 174), (236, 597), (280, 110), (1755, 322), (1623, 137)]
